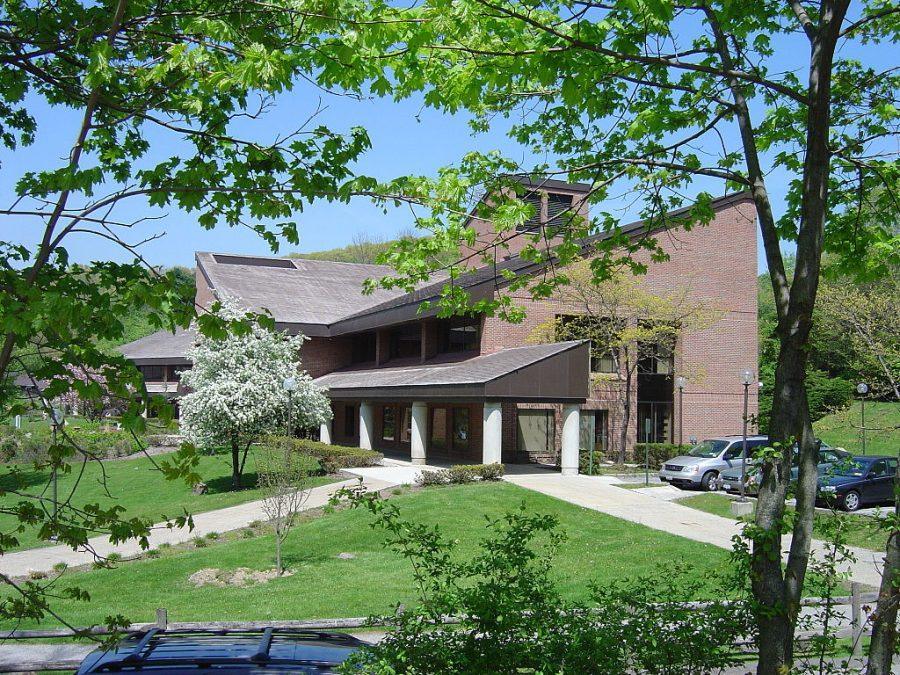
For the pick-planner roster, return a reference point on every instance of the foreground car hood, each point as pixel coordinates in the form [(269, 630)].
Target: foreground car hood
[(685, 460)]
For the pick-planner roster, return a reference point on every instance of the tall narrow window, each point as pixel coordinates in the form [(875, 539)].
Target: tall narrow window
[(388, 424), (460, 428), (406, 426), (438, 429)]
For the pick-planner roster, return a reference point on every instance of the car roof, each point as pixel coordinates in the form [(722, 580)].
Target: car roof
[(240, 650)]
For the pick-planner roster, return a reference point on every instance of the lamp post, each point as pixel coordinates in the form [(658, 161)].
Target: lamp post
[(862, 389), (746, 379), (289, 385), (680, 381)]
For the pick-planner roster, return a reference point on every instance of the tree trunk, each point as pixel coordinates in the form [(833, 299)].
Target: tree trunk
[(884, 621), (626, 414), (235, 464), (278, 568)]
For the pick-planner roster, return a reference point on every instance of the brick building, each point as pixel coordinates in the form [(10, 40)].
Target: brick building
[(477, 389)]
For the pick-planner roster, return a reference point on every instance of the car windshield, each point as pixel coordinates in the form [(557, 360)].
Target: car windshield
[(850, 467), (708, 449)]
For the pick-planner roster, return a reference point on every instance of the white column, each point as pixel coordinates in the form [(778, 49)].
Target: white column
[(570, 427), (492, 433), (325, 432), (365, 426), (418, 432)]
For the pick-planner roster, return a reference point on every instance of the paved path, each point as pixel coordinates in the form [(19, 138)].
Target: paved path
[(601, 494), (222, 520)]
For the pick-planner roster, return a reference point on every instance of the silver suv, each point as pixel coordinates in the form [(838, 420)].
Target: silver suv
[(703, 463)]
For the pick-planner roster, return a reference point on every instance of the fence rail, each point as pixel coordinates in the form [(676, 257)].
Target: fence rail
[(856, 630)]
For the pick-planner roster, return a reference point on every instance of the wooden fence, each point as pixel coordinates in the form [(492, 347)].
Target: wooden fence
[(857, 629)]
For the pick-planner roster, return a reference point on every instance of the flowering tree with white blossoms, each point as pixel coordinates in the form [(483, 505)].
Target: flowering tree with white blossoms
[(236, 391)]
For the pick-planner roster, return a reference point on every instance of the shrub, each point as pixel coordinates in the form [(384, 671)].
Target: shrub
[(200, 542), (462, 473), (657, 452), (332, 458)]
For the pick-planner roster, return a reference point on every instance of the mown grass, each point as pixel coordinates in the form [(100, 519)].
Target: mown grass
[(842, 429), (598, 548), (863, 531), (138, 486)]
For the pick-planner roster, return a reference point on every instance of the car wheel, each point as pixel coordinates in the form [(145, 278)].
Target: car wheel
[(852, 502), (709, 482)]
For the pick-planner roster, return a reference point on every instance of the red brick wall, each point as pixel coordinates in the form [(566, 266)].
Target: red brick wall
[(715, 264), (323, 355)]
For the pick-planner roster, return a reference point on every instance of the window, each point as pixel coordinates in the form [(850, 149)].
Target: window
[(458, 334), (175, 373), (594, 431), (654, 421), (363, 348), (406, 427), (153, 373), (406, 341), (439, 428), (388, 424), (460, 428), (533, 199), (596, 329), (658, 357), (349, 421), (879, 468)]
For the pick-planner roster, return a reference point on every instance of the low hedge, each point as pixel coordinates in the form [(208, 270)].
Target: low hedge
[(332, 458), (461, 473)]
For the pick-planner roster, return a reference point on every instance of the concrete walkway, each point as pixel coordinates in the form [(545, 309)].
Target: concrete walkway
[(222, 520), (600, 493)]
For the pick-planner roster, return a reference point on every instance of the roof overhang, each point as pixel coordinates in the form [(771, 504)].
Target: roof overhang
[(555, 373)]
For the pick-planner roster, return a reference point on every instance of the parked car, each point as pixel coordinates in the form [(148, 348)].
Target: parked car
[(862, 481), (730, 481), (703, 463), (224, 651)]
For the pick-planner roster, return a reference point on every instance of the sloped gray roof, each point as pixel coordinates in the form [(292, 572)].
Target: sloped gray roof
[(160, 347), (472, 376), (295, 290)]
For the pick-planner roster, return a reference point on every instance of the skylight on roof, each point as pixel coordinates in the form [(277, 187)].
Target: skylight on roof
[(282, 263)]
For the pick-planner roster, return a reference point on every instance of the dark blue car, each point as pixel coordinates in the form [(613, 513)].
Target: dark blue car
[(860, 481), (266, 650)]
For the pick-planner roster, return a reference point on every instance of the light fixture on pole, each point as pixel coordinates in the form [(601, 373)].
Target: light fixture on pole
[(862, 389), (680, 383), (746, 379), (57, 419)]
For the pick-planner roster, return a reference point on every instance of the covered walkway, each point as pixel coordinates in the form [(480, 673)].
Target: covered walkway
[(463, 410)]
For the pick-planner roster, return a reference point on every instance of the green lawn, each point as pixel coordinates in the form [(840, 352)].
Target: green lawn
[(598, 547), (863, 531), (136, 485), (842, 429)]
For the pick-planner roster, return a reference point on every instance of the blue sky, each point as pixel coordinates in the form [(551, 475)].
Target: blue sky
[(406, 137)]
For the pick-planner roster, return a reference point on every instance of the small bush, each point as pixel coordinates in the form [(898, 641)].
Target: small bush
[(462, 473), (212, 536), (247, 533), (153, 553), (114, 558), (200, 542), (34, 575), (657, 452), (60, 567), (332, 458)]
